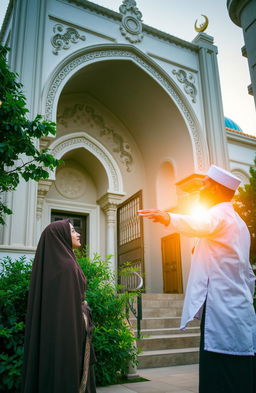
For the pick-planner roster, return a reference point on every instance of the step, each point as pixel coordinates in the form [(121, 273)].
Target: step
[(173, 330), (169, 341), (161, 312), (163, 343), (161, 322), (168, 357), (163, 303), (163, 296)]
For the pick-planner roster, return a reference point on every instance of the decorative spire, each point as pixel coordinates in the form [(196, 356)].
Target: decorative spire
[(131, 25)]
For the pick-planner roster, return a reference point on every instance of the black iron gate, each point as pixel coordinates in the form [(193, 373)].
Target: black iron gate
[(130, 239)]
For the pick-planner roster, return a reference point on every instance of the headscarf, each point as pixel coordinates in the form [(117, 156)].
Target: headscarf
[(55, 330)]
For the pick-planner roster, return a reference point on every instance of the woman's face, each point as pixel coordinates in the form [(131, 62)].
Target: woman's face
[(75, 237)]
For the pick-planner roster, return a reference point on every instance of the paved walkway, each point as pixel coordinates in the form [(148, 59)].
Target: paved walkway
[(178, 379)]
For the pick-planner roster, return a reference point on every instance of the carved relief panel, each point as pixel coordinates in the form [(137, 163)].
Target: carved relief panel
[(87, 115), (64, 37)]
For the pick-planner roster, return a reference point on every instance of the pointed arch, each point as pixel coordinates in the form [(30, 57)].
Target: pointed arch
[(78, 60)]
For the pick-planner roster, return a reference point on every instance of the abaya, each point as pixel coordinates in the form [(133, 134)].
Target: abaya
[(58, 356)]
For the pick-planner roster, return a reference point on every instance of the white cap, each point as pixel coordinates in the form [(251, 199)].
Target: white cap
[(223, 177)]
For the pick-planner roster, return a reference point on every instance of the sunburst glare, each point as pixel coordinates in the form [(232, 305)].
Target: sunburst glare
[(198, 210)]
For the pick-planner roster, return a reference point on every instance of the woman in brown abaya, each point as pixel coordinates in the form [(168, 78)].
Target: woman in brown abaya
[(58, 354)]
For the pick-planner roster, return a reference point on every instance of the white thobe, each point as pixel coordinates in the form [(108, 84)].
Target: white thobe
[(221, 273)]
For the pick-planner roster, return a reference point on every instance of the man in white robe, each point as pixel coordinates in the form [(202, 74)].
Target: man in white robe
[(220, 287)]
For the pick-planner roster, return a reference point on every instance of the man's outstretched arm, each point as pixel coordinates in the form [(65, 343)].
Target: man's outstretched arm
[(155, 215), (194, 226)]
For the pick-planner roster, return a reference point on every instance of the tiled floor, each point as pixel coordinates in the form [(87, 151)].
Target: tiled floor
[(179, 379)]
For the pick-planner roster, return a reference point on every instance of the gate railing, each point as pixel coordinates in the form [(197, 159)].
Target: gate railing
[(133, 282)]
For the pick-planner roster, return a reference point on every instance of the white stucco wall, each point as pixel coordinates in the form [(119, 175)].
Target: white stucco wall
[(242, 152)]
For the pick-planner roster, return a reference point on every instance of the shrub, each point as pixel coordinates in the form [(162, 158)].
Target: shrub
[(14, 283), (113, 340)]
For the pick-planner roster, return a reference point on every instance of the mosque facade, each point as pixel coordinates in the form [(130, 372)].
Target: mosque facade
[(139, 120)]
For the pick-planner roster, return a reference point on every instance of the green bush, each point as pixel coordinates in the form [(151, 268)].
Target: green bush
[(14, 283), (113, 340)]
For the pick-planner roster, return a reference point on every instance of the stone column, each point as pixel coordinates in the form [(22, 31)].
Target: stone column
[(42, 190), (212, 101), (109, 203), (27, 46)]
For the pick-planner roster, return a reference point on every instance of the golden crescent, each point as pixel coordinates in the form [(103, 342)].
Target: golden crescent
[(203, 26)]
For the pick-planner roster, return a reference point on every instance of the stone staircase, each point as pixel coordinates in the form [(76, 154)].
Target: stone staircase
[(162, 343)]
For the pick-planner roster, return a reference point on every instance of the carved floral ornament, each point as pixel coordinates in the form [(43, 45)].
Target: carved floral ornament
[(188, 81), (97, 54), (83, 113), (131, 25), (63, 41)]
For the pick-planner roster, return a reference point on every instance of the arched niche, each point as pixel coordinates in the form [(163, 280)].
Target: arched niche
[(242, 175), (165, 187)]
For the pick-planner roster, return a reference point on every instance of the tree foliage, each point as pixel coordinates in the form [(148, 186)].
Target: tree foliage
[(245, 205), (19, 156)]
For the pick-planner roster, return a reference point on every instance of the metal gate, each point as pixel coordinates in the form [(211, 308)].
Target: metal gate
[(130, 239)]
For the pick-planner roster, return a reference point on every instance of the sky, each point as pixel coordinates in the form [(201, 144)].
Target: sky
[(177, 17)]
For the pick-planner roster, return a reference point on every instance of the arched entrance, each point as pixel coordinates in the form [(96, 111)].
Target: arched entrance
[(123, 101), (108, 52), (88, 171)]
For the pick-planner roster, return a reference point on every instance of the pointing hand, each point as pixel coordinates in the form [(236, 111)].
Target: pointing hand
[(155, 215)]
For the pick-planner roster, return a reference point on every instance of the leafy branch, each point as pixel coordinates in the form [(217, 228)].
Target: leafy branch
[(19, 137)]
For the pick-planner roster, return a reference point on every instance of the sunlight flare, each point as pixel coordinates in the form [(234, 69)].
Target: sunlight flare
[(198, 210)]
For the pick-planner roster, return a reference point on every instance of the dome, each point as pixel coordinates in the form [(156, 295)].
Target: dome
[(232, 125)]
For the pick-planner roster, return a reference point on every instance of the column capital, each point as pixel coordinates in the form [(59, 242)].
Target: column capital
[(42, 190), (45, 142), (204, 40), (110, 201), (191, 183), (188, 192)]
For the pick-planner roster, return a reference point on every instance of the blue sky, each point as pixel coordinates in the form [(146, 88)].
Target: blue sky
[(177, 17)]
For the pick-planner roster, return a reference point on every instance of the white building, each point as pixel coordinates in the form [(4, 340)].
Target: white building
[(137, 111)]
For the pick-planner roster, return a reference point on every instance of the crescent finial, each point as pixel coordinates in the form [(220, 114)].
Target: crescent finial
[(203, 26)]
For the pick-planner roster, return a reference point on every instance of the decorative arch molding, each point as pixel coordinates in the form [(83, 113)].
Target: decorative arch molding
[(78, 60), (242, 175), (82, 140)]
